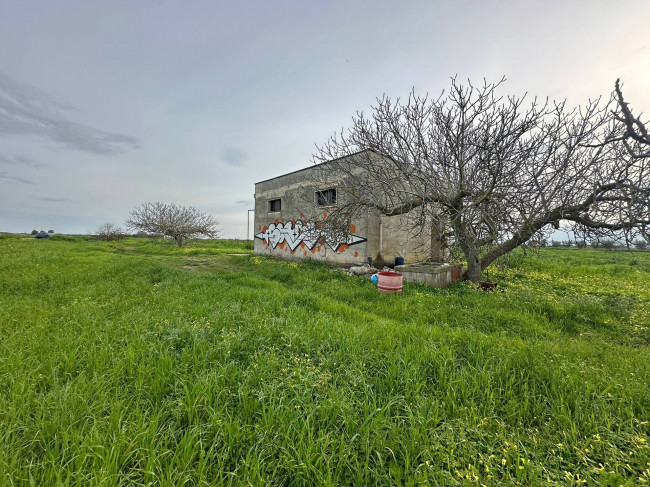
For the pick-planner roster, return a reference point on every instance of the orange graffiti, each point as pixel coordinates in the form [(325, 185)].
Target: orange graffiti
[(342, 248), (353, 228), (281, 245), (259, 227), (356, 254), (302, 245), (324, 214), (305, 252), (276, 221), (313, 250)]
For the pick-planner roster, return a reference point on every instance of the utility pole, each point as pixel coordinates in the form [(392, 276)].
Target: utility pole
[(248, 227)]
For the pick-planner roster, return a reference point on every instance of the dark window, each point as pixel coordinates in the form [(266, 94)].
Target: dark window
[(275, 205), (326, 197)]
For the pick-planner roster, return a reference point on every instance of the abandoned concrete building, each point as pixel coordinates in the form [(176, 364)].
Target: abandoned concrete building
[(290, 212)]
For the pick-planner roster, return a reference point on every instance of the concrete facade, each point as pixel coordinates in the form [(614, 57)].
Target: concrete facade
[(290, 211)]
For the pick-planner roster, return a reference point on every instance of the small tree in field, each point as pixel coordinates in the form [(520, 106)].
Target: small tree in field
[(641, 244), (175, 221), (109, 232)]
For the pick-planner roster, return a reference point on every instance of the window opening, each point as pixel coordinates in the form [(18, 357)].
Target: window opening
[(275, 205), (326, 197)]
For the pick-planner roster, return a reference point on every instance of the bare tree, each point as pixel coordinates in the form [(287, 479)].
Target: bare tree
[(110, 232), (493, 172), (175, 221)]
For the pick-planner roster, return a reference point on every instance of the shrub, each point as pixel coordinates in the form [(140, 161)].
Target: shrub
[(608, 244), (641, 244), (556, 243), (34, 232), (109, 232)]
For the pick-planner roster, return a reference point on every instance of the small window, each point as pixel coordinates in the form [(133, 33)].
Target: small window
[(326, 197), (275, 205)]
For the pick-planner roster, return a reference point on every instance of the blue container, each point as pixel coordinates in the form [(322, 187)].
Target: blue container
[(399, 260)]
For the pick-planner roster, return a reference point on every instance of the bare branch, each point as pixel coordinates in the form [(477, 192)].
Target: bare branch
[(494, 170), (175, 221)]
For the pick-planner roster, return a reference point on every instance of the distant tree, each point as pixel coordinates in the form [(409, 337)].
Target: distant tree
[(50, 231), (608, 244), (493, 171), (175, 221), (556, 243), (34, 232), (641, 244), (581, 244), (109, 232)]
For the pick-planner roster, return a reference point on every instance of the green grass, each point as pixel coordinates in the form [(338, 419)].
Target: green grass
[(138, 363)]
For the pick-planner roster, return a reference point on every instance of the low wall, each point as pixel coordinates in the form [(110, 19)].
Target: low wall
[(436, 275)]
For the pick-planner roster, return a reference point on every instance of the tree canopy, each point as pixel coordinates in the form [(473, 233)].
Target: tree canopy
[(495, 171), (171, 220)]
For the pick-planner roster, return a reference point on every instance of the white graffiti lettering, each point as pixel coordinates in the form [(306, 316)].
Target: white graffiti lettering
[(293, 234)]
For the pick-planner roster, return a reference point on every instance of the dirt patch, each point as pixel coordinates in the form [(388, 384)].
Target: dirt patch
[(205, 264)]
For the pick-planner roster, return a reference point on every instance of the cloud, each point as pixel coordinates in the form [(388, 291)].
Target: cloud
[(234, 157), (27, 111), (6, 177), (19, 160), (51, 200)]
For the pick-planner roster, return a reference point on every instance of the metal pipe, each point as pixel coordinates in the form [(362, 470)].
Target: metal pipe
[(381, 233), (248, 226)]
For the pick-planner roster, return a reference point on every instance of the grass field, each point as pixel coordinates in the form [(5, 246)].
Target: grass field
[(137, 363)]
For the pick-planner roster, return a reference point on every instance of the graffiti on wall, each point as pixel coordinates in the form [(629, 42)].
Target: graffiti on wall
[(297, 233)]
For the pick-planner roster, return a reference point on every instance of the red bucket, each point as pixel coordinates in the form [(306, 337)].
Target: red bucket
[(389, 282)]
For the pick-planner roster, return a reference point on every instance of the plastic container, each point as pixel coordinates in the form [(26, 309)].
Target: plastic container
[(399, 260), (389, 282)]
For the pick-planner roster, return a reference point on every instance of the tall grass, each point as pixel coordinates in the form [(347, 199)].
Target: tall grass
[(137, 363)]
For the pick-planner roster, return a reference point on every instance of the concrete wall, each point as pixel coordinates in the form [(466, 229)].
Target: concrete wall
[(294, 232), (397, 239)]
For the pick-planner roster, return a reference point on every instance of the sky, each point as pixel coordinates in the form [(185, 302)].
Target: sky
[(105, 105)]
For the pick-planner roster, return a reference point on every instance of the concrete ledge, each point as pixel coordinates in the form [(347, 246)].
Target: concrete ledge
[(436, 275)]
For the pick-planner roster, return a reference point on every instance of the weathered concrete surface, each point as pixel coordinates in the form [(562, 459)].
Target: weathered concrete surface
[(293, 232), (436, 275)]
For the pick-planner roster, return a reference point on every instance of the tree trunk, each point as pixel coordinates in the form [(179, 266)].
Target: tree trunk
[(474, 270), (467, 243), (437, 245)]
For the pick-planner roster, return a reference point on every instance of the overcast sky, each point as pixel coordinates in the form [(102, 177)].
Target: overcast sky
[(105, 105)]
